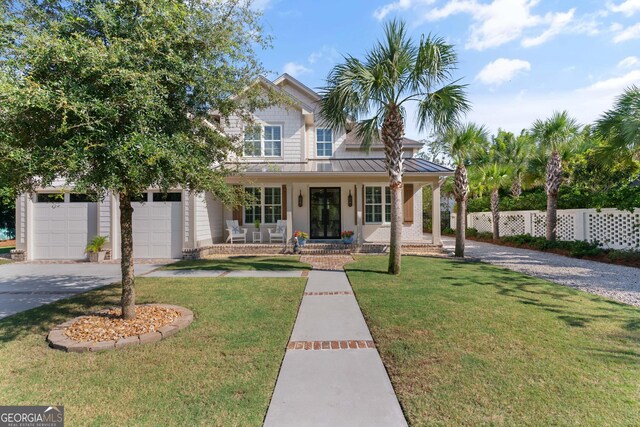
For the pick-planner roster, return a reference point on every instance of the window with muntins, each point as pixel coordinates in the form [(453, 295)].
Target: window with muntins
[(272, 141), (263, 141), (266, 205), (324, 143), (272, 205), (253, 210), (252, 141), (374, 206)]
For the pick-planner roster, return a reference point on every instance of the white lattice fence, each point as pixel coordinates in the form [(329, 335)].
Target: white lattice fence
[(611, 228)]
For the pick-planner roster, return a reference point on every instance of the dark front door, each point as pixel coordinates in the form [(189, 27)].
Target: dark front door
[(325, 213)]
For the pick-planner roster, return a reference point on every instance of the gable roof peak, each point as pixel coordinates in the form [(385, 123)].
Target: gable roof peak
[(289, 79)]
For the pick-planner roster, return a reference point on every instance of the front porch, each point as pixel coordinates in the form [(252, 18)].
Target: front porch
[(310, 248)]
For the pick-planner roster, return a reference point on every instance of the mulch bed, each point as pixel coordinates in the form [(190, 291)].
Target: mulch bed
[(108, 325), (105, 330)]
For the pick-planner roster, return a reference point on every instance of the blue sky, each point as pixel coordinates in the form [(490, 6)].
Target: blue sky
[(522, 59)]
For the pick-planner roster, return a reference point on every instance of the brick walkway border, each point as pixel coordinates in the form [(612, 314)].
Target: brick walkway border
[(310, 294), (58, 340), (327, 262), (330, 345)]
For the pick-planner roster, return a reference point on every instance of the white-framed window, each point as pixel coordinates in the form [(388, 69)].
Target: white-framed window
[(324, 142), (253, 208), (377, 205), (266, 205), (263, 141)]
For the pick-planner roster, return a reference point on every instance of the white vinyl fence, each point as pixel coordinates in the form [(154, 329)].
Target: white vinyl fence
[(611, 228)]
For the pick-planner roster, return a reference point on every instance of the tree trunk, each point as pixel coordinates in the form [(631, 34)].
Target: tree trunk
[(461, 227), (392, 133), (460, 192), (554, 179), (495, 213), (128, 300), (516, 187)]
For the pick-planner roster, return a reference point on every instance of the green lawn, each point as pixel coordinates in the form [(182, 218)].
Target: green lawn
[(6, 249), (264, 263), (473, 344), (219, 371)]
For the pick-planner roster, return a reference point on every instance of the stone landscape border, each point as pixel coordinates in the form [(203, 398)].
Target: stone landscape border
[(58, 340)]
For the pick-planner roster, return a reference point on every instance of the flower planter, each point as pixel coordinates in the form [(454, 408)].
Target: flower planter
[(302, 242), (97, 256), (347, 240)]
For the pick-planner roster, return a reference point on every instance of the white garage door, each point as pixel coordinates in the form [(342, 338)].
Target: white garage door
[(157, 229), (62, 230)]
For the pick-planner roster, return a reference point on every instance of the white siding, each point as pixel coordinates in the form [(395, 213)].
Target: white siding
[(209, 220)]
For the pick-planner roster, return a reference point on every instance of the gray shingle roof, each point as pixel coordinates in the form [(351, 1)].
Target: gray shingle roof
[(340, 166)]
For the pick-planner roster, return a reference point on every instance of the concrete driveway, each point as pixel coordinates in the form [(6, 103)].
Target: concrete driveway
[(24, 286)]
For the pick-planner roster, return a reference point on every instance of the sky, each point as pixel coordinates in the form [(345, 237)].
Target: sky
[(521, 59)]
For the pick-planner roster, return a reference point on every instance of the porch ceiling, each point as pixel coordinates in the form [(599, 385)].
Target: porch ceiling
[(342, 167)]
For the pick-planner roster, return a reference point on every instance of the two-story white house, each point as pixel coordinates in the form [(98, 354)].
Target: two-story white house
[(317, 179)]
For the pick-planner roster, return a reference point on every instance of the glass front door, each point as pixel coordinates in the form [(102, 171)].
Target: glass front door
[(325, 213)]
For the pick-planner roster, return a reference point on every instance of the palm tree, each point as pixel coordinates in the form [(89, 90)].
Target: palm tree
[(555, 134), (516, 152), (620, 126), (461, 142), (495, 176), (375, 91)]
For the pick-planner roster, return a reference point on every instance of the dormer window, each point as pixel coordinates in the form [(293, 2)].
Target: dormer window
[(324, 142), (263, 141)]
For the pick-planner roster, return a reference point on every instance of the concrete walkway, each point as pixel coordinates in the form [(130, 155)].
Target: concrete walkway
[(617, 282), (332, 374)]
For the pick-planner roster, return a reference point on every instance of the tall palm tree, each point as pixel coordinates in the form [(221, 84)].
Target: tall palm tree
[(494, 177), (461, 142), (555, 134), (374, 92), (620, 126)]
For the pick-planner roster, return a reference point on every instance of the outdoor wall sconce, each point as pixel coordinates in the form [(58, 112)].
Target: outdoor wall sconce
[(300, 199), (350, 199)]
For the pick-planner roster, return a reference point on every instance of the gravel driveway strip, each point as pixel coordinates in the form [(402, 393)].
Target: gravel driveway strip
[(612, 281)]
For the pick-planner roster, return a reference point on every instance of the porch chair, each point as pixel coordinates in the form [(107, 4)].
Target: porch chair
[(236, 233), (279, 234)]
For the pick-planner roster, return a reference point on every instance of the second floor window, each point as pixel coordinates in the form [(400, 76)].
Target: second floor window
[(263, 141), (324, 143)]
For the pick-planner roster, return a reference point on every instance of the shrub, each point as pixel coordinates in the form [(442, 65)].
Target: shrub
[(471, 232), (96, 244), (449, 231)]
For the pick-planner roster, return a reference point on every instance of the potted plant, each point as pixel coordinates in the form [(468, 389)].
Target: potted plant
[(301, 236), (347, 237), (256, 223), (95, 249)]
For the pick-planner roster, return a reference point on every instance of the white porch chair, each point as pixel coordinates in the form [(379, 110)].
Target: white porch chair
[(236, 233), (279, 234)]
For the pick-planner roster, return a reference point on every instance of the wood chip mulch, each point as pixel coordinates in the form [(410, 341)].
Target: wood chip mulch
[(107, 325)]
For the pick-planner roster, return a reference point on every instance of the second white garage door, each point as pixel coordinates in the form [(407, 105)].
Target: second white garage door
[(157, 229)]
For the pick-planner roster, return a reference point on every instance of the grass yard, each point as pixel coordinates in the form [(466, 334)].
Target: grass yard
[(473, 344), (6, 249), (221, 370), (260, 263)]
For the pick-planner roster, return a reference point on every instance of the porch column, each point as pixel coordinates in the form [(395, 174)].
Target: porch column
[(289, 212), (359, 214), (435, 213)]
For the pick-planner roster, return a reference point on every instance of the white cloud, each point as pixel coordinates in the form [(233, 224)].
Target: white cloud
[(381, 12), (628, 7), (614, 84), (502, 21), (502, 70), (559, 22), (326, 53), (294, 69), (629, 33), (628, 62)]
